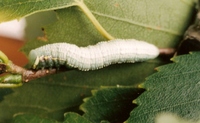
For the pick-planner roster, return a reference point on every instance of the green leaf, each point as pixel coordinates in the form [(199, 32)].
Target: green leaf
[(110, 103), (172, 118), (54, 95), (29, 118), (174, 89), (4, 92), (36, 22), (69, 118), (74, 118), (159, 22), (17, 9), (151, 21)]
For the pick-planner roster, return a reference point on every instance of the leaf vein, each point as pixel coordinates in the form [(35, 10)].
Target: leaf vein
[(138, 24)]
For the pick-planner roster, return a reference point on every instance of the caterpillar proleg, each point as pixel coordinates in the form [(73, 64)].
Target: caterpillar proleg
[(94, 56)]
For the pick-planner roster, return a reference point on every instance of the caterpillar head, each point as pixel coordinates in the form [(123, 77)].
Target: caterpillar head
[(33, 59), (38, 61)]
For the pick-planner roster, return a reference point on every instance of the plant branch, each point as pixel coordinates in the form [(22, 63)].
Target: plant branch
[(28, 75)]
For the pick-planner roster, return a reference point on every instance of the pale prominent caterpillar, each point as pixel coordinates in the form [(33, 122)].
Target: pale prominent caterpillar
[(92, 57)]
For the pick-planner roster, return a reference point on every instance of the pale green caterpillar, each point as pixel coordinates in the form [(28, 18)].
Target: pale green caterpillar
[(92, 57)]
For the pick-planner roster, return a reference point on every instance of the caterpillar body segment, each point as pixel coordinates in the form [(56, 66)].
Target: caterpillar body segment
[(94, 56)]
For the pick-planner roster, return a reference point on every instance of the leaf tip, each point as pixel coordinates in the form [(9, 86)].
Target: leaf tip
[(158, 68), (94, 92), (82, 108), (173, 59), (86, 99), (141, 86), (135, 101)]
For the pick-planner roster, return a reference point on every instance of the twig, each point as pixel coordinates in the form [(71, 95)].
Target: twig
[(167, 51), (26, 75)]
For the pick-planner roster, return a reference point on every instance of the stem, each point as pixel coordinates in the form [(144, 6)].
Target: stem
[(167, 51), (18, 74), (3, 57), (31, 75), (91, 17), (28, 75)]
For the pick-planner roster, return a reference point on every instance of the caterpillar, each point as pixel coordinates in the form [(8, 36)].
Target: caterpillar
[(94, 56)]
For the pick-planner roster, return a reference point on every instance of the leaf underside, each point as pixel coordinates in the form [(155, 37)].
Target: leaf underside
[(158, 21)]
